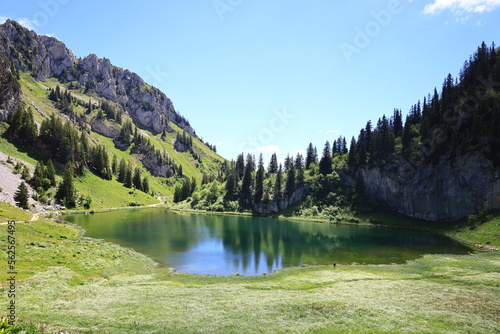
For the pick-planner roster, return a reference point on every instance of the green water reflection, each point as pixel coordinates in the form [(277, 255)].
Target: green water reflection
[(222, 245)]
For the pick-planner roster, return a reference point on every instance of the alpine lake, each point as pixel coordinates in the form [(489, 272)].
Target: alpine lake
[(226, 245)]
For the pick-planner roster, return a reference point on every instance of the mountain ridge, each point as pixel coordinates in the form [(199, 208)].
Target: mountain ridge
[(121, 138), (46, 57)]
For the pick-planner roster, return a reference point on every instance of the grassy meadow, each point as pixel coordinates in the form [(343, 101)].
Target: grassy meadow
[(67, 282)]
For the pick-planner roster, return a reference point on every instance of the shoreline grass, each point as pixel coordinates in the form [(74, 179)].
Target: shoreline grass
[(82, 285)]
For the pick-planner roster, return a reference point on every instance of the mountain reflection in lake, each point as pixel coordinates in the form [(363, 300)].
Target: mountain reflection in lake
[(223, 245)]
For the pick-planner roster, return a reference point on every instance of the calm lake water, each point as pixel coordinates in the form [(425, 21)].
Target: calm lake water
[(223, 245)]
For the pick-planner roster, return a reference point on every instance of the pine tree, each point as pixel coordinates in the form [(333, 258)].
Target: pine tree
[(325, 164), (259, 181), (311, 156), (368, 135), (192, 186), (128, 176), (246, 186), (145, 185), (114, 165), (299, 171), (25, 174), (122, 171), (290, 181), (177, 194), (50, 173), (279, 183), (21, 196), (66, 193), (231, 184), (398, 123), (352, 159), (273, 164), (22, 125), (137, 179), (38, 176), (344, 146)]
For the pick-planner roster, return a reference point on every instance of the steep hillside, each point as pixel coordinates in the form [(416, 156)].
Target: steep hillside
[(444, 162), (441, 163), (121, 138)]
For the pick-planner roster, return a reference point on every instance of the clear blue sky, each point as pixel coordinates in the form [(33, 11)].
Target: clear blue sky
[(274, 75)]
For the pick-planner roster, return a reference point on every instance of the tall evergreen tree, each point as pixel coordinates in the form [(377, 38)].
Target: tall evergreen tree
[(344, 146), (397, 123), (352, 159), (114, 165), (128, 176), (311, 155), (21, 196), (145, 185), (240, 166), (259, 181), (66, 193), (246, 185), (137, 181), (290, 181), (325, 164), (279, 183), (368, 134), (273, 164), (231, 181), (122, 171), (50, 172), (38, 176), (22, 125)]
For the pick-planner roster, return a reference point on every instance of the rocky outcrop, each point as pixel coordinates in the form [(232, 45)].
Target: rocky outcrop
[(180, 146), (10, 90), (448, 190), (152, 162), (44, 56), (47, 57), (105, 128), (282, 204)]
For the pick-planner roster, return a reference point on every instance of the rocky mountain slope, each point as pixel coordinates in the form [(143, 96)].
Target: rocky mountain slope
[(443, 162), (46, 57), (100, 121), (444, 191)]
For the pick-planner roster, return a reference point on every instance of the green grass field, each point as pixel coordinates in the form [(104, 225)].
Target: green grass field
[(83, 285), (108, 194)]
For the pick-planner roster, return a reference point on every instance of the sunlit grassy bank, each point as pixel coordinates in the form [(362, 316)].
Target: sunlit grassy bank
[(83, 285)]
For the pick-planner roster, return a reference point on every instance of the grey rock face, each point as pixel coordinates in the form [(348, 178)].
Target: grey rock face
[(282, 204), (105, 128), (447, 190), (47, 57), (151, 161)]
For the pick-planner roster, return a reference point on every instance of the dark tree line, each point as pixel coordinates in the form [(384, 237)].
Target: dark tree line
[(62, 142), (464, 117), (185, 190), (251, 182)]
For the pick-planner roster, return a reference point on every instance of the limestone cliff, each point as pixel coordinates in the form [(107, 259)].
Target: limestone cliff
[(47, 57), (10, 90), (448, 190), (283, 203)]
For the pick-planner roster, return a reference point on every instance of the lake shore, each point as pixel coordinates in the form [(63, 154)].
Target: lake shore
[(105, 287)]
